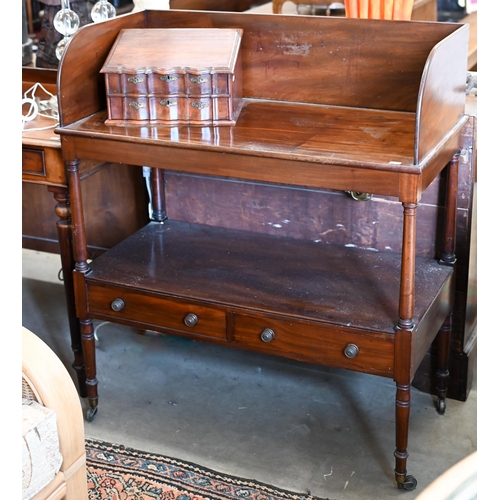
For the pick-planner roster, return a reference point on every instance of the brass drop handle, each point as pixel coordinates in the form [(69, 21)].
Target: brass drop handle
[(359, 196), (117, 305), (351, 351), (191, 319), (267, 335)]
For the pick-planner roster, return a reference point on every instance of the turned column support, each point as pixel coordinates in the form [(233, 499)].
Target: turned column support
[(158, 203), (407, 283), (79, 238), (81, 269), (448, 258), (64, 230), (403, 346)]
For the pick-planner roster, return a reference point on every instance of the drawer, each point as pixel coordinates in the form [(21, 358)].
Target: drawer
[(142, 84), (128, 108), (316, 343), (157, 312), (170, 109), (200, 109), (166, 84), (123, 83), (199, 84), (33, 161)]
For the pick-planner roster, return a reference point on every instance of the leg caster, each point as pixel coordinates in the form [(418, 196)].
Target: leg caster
[(91, 413), (441, 405), (405, 482)]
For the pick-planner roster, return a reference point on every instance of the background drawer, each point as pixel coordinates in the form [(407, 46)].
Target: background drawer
[(33, 161), (316, 343), (158, 312)]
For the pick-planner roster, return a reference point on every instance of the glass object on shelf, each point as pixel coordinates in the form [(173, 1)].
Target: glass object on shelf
[(102, 10), (66, 22)]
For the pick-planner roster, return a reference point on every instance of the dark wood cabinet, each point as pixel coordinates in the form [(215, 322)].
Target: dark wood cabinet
[(117, 203)]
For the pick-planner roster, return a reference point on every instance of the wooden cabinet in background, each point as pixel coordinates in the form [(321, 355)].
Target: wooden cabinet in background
[(46, 215)]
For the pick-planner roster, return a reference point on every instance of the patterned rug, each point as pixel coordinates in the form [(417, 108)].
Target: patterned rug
[(115, 472)]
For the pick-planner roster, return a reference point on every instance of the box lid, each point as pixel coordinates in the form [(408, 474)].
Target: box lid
[(212, 50)]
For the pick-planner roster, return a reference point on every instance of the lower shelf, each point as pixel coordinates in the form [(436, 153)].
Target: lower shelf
[(235, 287)]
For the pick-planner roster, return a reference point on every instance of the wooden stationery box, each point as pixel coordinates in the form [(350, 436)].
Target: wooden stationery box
[(174, 76)]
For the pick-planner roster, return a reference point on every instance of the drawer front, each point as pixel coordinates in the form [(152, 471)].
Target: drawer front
[(315, 343), (157, 312), (171, 83), (199, 84), (200, 109), (166, 84), (169, 108), (33, 161), (128, 108), (117, 83)]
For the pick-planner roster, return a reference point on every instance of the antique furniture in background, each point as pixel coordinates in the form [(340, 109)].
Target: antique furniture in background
[(45, 191), (366, 309)]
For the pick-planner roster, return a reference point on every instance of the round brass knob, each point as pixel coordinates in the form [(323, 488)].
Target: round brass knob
[(191, 319), (267, 335), (351, 351), (117, 305)]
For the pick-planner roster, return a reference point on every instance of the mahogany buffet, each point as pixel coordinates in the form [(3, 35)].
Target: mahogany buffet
[(326, 103)]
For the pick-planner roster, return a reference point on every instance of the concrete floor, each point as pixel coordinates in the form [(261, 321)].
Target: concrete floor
[(295, 426)]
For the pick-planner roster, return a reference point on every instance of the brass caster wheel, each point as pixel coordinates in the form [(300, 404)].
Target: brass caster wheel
[(410, 483), (91, 412), (441, 406)]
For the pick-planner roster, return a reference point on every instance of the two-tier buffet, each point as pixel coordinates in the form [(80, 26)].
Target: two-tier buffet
[(338, 104)]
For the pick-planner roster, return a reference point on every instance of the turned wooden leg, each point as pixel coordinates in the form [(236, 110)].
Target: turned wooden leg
[(158, 203), (80, 271), (443, 375), (63, 211), (448, 258), (403, 398), (88, 342), (403, 346)]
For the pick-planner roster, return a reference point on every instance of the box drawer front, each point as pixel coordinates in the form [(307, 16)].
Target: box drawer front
[(166, 84), (198, 84), (200, 109), (121, 83), (160, 312), (128, 108), (169, 108), (315, 343)]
